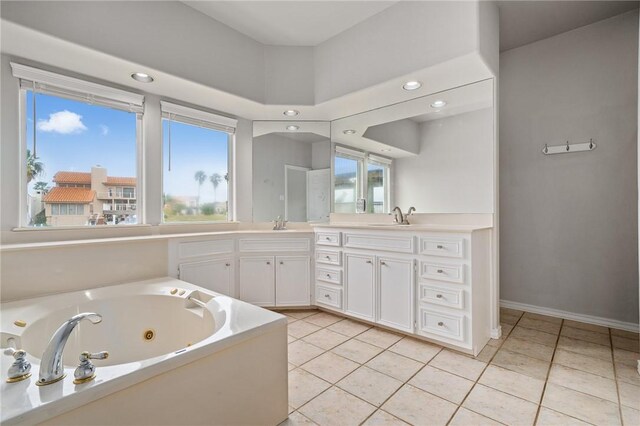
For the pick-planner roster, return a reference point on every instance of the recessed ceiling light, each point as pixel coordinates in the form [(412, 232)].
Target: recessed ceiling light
[(349, 132), (291, 113), (142, 77), (292, 128), (412, 85), (438, 104)]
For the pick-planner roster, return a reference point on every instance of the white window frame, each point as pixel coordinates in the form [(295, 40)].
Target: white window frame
[(62, 86), (208, 120), (364, 159)]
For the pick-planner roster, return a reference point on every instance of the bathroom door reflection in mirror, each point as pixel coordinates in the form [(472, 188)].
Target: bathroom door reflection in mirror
[(291, 171)]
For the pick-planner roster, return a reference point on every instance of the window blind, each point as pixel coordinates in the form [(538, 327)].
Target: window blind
[(381, 161), (198, 117), (349, 153)]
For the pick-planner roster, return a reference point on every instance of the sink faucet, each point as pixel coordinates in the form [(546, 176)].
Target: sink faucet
[(402, 219), (51, 368), (279, 224)]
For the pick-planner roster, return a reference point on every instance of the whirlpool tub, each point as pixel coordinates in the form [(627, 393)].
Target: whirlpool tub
[(178, 354)]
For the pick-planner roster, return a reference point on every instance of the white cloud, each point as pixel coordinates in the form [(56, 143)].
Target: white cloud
[(65, 122), (104, 129)]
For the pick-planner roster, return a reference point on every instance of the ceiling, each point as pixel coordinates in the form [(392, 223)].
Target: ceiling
[(524, 22), (290, 23), (309, 23)]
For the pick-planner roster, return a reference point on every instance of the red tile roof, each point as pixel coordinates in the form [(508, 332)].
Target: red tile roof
[(120, 181), (72, 177), (69, 195)]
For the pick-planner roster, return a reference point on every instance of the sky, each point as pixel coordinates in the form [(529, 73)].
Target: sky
[(73, 136)]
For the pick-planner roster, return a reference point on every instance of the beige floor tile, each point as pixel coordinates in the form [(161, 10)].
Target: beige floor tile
[(628, 374), (629, 395), (522, 364), (370, 385), (290, 319), (330, 367), (585, 326), (325, 339), (394, 365), (301, 352), (626, 334), (458, 364), (534, 336), (291, 409), (589, 336), (540, 317), (584, 348), (290, 366), (620, 356), (630, 417), (290, 339), (418, 407), (509, 319), (532, 349), (585, 407), (466, 417), (337, 407), (506, 330), (513, 383), (300, 313), (585, 363), (540, 325), (299, 329), (547, 417), (303, 387), (584, 382), (382, 418), (349, 327), (443, 384), (626, 344), (357, 351), (323, 319), (496, 343), (416, 349), (296, 419), (487, 353), (510, 311), (379, 337), (500, 406)]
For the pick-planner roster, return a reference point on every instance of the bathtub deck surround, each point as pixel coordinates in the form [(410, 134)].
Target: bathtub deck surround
[(166, 341)]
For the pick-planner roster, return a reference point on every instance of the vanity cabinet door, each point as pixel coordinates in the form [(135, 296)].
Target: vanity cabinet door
[(292, 281), (216, 275), (360, 285), (257, 280), (395, 294)]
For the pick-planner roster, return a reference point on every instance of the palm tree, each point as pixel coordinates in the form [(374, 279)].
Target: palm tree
[(200, 177), (215, 181), (34, 167), (41, 186)]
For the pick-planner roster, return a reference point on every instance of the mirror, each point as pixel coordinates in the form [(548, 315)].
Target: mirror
[(291, 171), (434, 152)]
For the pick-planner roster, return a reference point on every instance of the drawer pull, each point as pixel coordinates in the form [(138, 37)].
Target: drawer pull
[(439, 296), (440, 246), (369, 262), (440, 271), (327, 296), (268, 263), (328, 257), (327, 238), (227, 264), (440, 324), (328, 275)]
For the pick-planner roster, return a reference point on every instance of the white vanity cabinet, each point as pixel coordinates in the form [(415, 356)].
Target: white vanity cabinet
[(427, 283), (216, 274), (256, 280)]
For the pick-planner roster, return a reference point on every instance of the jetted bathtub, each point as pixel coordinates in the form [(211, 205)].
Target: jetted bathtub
[(178, 354)]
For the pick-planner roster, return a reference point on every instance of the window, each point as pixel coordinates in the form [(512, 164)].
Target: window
[(78, 137), (358, 175), (197, 174)]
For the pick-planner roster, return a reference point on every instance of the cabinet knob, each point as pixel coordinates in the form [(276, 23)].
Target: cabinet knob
[(268, 263), (368, 261), (440, 246), (328, 275), (440, 271), (282, 263), (383, 263), (327, 238), (327, 296), (439, 296), (227, 264), (440, 324), (328, 257)]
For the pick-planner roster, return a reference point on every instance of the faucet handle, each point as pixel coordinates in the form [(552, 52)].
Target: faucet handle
[(86, 371), (21, 368)]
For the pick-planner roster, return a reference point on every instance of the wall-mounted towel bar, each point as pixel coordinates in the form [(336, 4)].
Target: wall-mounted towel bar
[(567, 148)]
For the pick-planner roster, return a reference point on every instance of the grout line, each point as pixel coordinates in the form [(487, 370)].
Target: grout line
[(615, 378), (546, 380)]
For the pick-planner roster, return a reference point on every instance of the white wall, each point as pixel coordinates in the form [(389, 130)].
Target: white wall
[(569, 222), (454, 171)]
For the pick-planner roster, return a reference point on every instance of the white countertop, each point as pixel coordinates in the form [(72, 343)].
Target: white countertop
[(404, 228)]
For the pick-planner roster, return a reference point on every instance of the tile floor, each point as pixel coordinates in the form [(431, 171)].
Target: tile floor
[(543, 371)]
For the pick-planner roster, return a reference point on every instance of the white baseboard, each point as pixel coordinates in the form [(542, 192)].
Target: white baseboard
[(496, 333), (589, 319)]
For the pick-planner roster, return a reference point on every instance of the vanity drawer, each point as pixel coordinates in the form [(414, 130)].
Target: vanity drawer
[(329, 257), (447, 325), (442, 272), (328, 239), (329, 296), (399, 244), (437, 295), (329, 275), (445, 247)]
